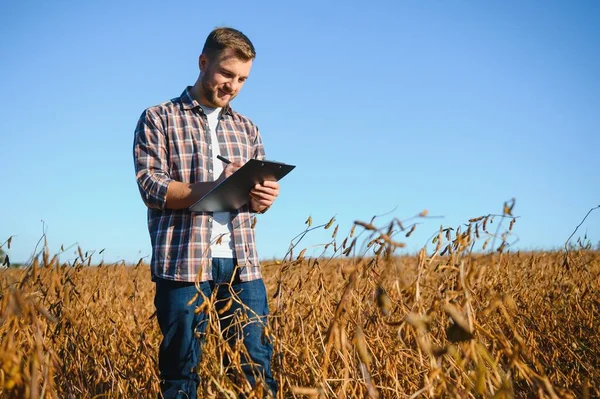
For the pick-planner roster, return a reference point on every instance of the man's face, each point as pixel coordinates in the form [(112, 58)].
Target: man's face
[(223, 76)]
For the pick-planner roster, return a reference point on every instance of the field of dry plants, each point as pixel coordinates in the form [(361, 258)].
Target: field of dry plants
[(367, 321)]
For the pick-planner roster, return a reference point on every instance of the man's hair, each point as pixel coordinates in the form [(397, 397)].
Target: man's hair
[(222, 38)]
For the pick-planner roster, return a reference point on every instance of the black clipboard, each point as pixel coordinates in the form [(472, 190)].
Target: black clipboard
[(233, 192)]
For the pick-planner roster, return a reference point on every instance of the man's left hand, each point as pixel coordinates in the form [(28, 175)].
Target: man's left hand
[(263, 195)]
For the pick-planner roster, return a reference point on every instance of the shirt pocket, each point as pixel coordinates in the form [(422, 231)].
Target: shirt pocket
[(234, 141)]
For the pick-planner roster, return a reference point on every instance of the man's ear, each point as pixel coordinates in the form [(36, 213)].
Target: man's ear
[(202, 62)]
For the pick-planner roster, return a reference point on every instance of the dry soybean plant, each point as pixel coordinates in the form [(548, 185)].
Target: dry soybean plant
[(465, 317), (448, 322)]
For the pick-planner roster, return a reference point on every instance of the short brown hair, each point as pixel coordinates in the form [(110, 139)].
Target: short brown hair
[(222, 38)]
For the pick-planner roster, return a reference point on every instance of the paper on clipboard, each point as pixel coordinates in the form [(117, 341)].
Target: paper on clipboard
[(233, 192)]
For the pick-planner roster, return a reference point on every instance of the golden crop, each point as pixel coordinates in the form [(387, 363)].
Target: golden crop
[(444, 323)]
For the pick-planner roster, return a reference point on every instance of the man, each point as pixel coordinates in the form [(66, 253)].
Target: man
[(175, 153)]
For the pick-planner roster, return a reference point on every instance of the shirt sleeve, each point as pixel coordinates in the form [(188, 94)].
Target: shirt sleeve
[(150, 157), (258, 150)]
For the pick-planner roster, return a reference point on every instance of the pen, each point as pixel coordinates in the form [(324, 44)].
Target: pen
[(223, 159)]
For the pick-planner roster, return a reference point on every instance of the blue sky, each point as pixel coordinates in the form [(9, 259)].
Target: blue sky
[(450, 106)]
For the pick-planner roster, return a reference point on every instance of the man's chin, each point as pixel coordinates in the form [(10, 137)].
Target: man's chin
[(223, 101), (218, 103)]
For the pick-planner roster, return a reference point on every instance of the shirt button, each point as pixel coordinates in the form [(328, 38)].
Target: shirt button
[(210, 147)]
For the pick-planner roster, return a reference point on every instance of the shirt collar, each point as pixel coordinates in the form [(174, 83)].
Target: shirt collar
[(188, 102)]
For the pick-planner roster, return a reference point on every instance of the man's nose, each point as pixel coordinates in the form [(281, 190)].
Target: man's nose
[(233, 85)]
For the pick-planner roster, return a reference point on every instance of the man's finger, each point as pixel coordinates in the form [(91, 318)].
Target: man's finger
[(271, 184), (259, 197), (265, 192), (264, 187), (261, 189)]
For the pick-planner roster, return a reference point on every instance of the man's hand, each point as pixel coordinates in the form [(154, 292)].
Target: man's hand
[(263, 195), (229, 169)]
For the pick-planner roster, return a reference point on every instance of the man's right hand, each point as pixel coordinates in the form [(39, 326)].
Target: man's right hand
[(229, 170), (183, 195)]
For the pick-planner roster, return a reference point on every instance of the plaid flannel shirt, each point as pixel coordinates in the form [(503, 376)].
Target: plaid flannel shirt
[(173, 142)]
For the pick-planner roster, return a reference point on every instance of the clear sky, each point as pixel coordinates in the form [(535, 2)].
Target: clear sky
[(450, 106)]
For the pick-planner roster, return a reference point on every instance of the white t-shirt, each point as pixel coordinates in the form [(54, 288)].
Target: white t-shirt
[(221, 220)]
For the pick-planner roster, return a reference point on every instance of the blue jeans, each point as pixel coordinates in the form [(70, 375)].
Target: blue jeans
[(180, 350)]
